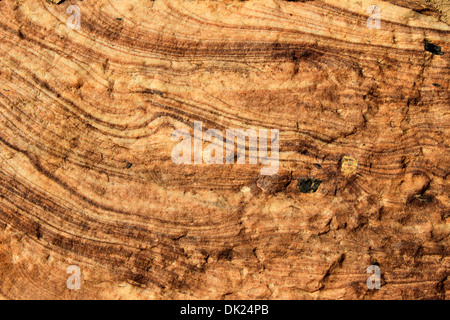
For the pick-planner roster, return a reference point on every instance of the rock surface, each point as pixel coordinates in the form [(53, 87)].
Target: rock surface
[(86, 176)]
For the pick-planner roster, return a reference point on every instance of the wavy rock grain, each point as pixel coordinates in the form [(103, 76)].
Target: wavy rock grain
[(86, 176)]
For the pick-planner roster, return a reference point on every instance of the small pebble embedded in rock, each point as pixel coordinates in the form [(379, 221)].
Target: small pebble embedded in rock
[(349, 166)]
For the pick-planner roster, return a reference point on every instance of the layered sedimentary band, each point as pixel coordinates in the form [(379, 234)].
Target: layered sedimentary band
[(86, 176)]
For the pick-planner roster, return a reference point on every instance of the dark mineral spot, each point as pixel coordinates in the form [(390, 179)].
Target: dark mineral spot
[(128, 165), (434, 49), (308, 185), (38, 232)]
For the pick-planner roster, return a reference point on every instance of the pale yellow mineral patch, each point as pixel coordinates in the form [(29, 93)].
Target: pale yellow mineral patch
[(349, 166)]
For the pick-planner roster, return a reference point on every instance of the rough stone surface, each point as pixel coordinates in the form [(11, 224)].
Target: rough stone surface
[(86, 176)]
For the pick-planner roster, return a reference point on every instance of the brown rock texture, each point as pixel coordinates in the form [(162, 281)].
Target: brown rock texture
[(86, 176)]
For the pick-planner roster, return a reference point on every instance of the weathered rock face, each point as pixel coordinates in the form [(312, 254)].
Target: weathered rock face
[(87, 179)]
